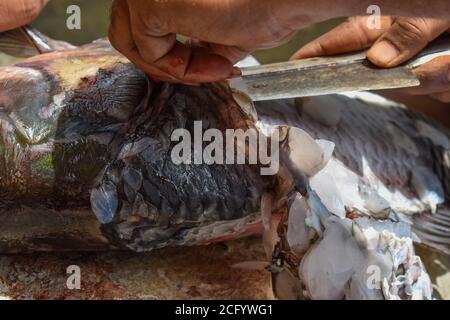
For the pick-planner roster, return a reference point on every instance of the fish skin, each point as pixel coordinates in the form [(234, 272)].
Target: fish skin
[(61, 153), (181, 198)]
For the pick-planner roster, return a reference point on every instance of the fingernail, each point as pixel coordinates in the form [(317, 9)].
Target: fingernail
[(383, 53), (236, 72)]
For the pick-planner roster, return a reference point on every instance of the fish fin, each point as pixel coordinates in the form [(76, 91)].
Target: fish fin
[(26, 42), (433, 230)]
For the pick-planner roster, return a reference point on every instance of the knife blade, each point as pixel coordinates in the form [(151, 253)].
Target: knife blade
[(328, 75)]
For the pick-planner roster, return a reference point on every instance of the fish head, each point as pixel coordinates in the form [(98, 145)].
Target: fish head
[(59, 113)]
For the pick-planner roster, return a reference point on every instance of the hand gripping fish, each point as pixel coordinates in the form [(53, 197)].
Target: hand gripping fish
[(86, 165)]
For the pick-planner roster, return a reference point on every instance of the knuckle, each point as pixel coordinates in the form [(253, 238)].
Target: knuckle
[(154, 20), (358, 26), (320, 47), (412, 29), (361, 36), (155, 25)]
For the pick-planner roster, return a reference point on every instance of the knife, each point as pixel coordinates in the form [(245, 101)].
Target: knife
[(328, 75)]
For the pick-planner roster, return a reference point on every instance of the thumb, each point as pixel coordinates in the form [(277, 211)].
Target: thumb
[(232, 53), (404, 39)]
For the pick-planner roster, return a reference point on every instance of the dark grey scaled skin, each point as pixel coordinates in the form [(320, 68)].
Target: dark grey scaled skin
[(161, 202), (66, 182)]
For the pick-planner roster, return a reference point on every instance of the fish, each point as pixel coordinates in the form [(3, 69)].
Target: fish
[(86, 161), (86, 165)]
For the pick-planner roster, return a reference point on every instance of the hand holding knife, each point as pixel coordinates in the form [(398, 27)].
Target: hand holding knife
[(328, 75)]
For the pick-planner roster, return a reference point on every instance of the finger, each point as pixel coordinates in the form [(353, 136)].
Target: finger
[(233, 53), (217, 68), (159, 48), (352, 35), (404, 39), (442, 96), (434, 77), (121, 39), (151, 35), (195, 64), (16, 13), (192, 42)]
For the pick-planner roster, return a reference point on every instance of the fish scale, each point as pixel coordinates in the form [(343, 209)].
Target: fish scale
[(392, 164), (168, 186)]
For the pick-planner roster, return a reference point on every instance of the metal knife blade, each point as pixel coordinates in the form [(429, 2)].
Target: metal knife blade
[(327, 75)]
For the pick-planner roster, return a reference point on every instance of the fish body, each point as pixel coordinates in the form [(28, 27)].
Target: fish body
[(89, 136), (86, 165)]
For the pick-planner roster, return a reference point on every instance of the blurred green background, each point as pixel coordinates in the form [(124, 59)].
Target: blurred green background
[(94, 25)]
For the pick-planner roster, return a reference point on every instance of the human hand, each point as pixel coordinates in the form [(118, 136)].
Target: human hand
[(227, 30), (398, 40), (16, 13)]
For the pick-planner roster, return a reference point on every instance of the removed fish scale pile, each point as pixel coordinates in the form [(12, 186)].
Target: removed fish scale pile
[(352, 230), (376, 159), (360, 258)]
